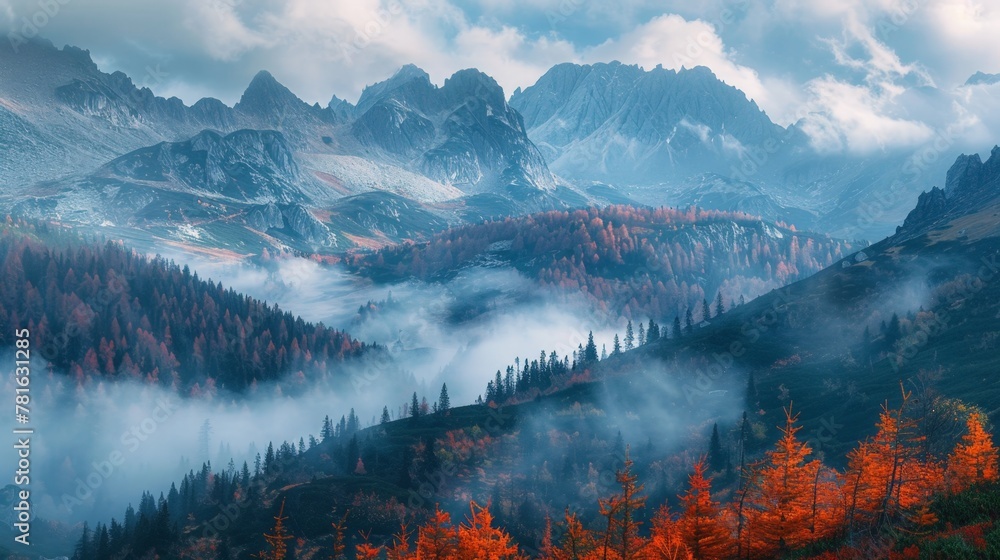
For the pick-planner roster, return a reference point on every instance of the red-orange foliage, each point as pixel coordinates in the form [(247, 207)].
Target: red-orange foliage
[(701, 526), (478, 538), (437, 539), (790, 503), (974, 459), (888, 477), (587, 251)]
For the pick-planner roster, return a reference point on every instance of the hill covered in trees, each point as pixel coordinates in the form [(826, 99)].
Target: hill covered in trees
[(396, 491), (107, 312), (630, 262)]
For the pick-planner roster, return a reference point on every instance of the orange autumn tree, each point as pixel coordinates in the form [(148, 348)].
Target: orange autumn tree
[(784, 509), (974, 459), (621, 540), (437, 539), (478, 538), (888, 477), (277, 538), (701, 526), (577, 542), (665, 540)]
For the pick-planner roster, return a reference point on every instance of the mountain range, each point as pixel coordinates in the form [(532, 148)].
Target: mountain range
[(90, 147)]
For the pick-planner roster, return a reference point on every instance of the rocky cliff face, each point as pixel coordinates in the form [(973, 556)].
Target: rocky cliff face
[(246, 166), (463, 133), (969, 186), (619, 123)]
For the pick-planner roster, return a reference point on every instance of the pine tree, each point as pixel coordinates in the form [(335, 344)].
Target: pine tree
[(706, 311), (327, 431), (688, 322), (83, 550), (629, 337), (719, 307), (414, 406), (385, 416), (590, 352), (444, 402), (716, 459), (616, 346), (642, 334), (677, 327)]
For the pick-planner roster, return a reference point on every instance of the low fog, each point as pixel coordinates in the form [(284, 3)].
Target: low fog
[(97, 448)]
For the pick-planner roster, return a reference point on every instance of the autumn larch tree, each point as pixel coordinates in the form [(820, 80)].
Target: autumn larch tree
[(974, 459), (887, 475), (781, 510), (478, 538), (437, 539), (665, 540), (621, 540), (277, 538), (577, 542), (701, 526)]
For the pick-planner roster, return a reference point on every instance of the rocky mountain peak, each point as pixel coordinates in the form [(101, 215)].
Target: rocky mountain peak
[(266, 97)]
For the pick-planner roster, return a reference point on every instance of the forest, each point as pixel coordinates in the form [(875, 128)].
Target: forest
[(902, 495), (630, 262), (106, 312)]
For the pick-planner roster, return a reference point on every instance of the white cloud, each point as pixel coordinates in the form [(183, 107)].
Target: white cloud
[(852, 117)]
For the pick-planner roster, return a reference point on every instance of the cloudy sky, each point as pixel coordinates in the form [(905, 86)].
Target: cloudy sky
[(869, 74)]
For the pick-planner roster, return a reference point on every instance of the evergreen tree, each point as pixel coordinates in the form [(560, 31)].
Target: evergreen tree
[(269, 458), (414, 406), (706, 311), (688, 322), (353, 453), (83, 550), (629, 337), (616, 346), (444, 401), (327, 431), (385, 415), (677, 327), (719, 308), (716, 458), (653, 332), (642, 334), (604, 352), (590, 352)]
